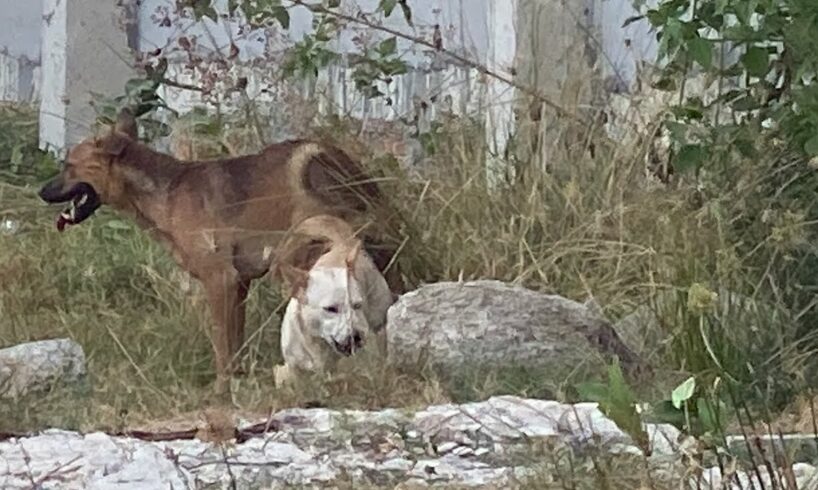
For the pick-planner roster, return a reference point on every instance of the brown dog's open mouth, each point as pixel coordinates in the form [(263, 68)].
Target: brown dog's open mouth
[(83, 200)]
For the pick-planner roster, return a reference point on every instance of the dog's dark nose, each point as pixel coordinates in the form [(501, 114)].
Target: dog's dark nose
[(52, 191), (357, 339), (43, 192)]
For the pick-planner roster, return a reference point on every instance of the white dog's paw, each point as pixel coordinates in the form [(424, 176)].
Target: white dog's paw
[(283, 375)]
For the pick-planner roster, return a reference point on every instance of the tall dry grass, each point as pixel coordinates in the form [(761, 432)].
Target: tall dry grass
[(599, 227)]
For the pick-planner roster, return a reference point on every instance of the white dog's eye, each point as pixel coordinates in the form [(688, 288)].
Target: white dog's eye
[(331, 309), (357, 306)]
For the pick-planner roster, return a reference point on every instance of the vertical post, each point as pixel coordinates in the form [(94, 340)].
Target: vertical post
[(499, 100), (84, 51)]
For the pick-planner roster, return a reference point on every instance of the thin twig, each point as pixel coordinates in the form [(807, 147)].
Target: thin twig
[(450, 54)]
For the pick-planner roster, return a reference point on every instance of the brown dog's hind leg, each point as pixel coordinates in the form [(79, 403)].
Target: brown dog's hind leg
[(223, 293), (237, 347)]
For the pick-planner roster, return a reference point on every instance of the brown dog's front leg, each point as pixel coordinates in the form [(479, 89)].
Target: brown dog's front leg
[(223, 293)]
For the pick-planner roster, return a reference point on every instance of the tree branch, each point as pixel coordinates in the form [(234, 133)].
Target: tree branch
[(533, 92)]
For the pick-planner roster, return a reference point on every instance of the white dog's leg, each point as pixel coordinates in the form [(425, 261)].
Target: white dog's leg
[(299, 354), (284, 375)]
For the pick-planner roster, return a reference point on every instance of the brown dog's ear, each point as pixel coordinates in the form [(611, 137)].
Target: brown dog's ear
[(126, 124), (114, 143), (124, 132)]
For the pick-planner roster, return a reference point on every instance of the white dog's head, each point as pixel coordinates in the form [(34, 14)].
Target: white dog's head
[(329, 292)]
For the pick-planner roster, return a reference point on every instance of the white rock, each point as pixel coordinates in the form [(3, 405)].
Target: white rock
[(462, 451), (325, 448), (446, 447), (40, 366)]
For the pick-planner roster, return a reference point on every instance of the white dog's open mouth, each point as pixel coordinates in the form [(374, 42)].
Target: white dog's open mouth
[(352, 344)]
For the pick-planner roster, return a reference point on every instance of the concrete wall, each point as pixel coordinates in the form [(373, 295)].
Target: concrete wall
[(547, 43), (20, 49), (465, 22), (20, 28), (85, 52)]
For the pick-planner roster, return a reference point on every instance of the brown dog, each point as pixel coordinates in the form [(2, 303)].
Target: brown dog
[(221, 219)]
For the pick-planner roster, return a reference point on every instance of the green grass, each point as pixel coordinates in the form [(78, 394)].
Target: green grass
[(596, 226)]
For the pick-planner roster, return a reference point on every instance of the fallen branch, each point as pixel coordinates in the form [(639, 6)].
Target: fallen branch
[(241, 435)]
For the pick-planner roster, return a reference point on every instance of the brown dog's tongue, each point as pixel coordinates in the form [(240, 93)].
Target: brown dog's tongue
[(62, 221)]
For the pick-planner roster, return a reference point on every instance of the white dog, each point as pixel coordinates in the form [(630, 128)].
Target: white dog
[(337, 299)]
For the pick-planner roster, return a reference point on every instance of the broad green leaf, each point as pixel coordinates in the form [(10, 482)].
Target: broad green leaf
[(620, 406), (407, 12), (678, 131), (387, 6), (756, 61), (683, 392), (701, 51), (620, 393), (689, 157), (593, 391), (136, 85), (721, 5), (811, 146), (665, 412), (388, 46), (282, 16), (203, 8), (709, 415)]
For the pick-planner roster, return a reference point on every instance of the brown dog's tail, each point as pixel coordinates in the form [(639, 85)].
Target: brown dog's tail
[(311, 238), (335, 230), (341, 183)]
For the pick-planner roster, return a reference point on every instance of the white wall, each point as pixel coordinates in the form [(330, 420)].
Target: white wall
[(78, 58), (20, 28), (85, 52), (465, 23), (20, 49)]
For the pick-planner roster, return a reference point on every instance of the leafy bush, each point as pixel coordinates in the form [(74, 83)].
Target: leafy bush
[(21, 160)]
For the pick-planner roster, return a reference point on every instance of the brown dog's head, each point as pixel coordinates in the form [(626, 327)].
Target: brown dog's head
[(86, 177)]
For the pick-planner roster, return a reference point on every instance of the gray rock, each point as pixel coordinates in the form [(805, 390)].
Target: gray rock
[(40, 366), (320, 447), (488, 322)]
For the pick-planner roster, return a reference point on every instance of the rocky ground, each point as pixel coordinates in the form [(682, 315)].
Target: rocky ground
[(502, 442), (486, 444)]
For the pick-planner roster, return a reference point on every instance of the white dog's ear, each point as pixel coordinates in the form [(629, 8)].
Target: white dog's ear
[(353, 254), (296, 278)]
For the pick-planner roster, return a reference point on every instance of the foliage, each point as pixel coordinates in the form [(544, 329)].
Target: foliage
[(376, 64), (695, 409), (749, 139), (760, 55), (618, 402), (141, 96), (21, 160)]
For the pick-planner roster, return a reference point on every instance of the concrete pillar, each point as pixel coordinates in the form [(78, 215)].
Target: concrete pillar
[(556, 55), (84, 51), (500, 96)]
